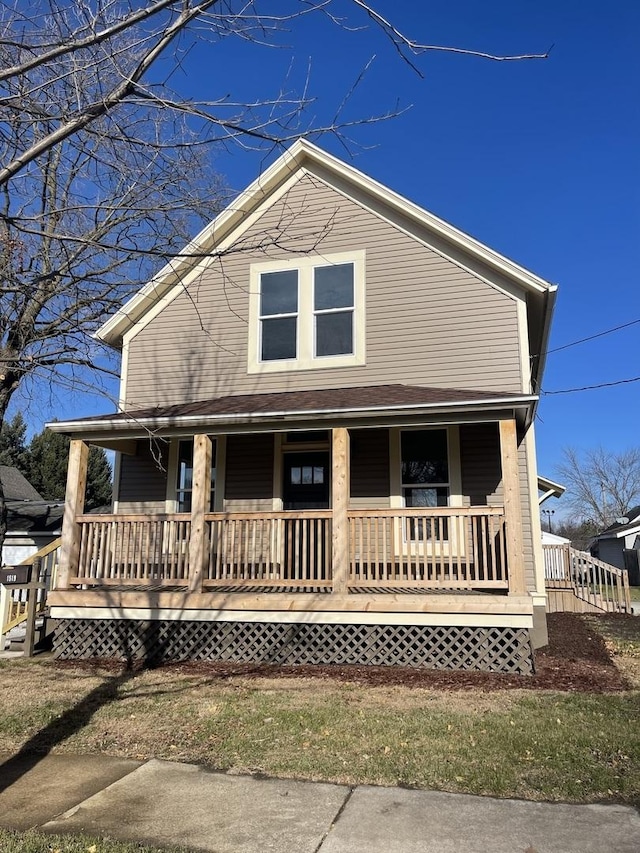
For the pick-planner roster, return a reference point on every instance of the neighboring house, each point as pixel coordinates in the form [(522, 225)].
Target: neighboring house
[(32, 522), (554, 539), (619, 545), (325, 448), (15, 486)]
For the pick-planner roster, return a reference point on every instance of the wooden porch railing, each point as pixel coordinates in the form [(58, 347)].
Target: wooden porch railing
[(388, 549), (137, 549), (28, 602), (598, 584), (435, 548), (290, 549)]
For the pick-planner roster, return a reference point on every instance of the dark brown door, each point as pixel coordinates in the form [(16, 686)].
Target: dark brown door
[(306, 480)]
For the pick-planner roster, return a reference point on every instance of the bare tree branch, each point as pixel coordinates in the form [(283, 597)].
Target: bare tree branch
[(74, 44), (601, 485), (104, 169), (400, 42)]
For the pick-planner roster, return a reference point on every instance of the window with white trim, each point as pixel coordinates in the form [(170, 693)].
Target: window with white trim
[(333, 310), (425, 478), (278, 315), (307, 313), (184, 475)]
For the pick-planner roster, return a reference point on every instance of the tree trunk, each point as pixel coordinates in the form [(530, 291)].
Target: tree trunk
[(7, 387)]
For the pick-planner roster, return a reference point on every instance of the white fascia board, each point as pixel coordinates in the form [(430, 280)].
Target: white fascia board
[(537, 370), (112, 331), (550, 488), (184, 421), (620, 534), (510, 268)]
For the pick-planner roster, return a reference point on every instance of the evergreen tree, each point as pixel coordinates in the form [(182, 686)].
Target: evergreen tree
[(48, 456), (48, 459), (13, 450), (99, 478)]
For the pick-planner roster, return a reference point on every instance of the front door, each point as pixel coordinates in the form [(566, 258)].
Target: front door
[(306, 480)]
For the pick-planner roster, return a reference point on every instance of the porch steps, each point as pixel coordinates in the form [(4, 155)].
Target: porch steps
[(14, 640), (576, 582)]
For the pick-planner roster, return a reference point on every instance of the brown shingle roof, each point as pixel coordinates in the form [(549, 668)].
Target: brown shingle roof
[(319, 400), (15, 485)]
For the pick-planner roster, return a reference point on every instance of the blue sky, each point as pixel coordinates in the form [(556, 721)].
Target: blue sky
[(538, 159)]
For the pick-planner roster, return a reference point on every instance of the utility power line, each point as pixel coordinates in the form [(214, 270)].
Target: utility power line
[(592, 387), (593, 337)]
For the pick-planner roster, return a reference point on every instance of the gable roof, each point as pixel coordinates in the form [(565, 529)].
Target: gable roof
[(15, 486), (301, 157), (620, 529)]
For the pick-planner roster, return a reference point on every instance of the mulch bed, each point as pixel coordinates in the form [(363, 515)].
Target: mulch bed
[(576, 660)]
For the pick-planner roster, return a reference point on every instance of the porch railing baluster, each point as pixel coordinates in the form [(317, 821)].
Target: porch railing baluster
[(413, 548)]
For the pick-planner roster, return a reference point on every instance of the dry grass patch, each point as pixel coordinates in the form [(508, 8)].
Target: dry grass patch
[(621, 635), (33, 841), (461, 734)]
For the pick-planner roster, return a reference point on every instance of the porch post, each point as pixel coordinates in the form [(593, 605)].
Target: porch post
[(73, 506), (512, 507), (340, 505), (200, 497)]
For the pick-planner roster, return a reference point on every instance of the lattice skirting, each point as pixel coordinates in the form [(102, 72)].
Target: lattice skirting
[(434, 647)]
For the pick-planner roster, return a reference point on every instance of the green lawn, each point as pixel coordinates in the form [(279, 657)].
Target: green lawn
[(634, 592), (37, 842)]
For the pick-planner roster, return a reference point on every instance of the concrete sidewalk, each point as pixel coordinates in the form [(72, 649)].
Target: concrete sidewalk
[(163, 803)]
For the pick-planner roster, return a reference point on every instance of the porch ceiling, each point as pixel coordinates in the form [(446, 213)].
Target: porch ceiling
[(361, 406)]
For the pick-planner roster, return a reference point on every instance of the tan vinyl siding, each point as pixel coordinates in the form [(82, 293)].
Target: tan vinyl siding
[(428, 321), (249, 473), (143, 478), (480, 464), (369, 469)]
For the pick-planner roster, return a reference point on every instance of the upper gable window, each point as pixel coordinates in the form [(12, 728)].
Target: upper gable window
[(307, 313), (333, 310), (278, 315)]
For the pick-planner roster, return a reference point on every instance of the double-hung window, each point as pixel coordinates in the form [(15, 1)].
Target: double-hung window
[(425, 478), (184, 476), (279, 315), (307, 313), (333, 310)]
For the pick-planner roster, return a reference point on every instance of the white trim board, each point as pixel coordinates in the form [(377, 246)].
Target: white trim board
[(471, 620)]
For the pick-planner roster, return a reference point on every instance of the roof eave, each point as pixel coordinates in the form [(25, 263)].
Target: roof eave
[(517, 406), (620, 533)]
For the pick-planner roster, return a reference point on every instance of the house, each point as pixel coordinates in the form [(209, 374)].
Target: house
[(619, 544), (32, 522), (325, 444), (15, 486)]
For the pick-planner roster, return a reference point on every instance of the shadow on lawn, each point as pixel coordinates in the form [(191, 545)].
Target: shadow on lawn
[(59, 729), (153, 654), (80, 714)]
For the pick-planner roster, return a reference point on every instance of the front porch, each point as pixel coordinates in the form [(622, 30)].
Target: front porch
[(420, 585), (388, 551)]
